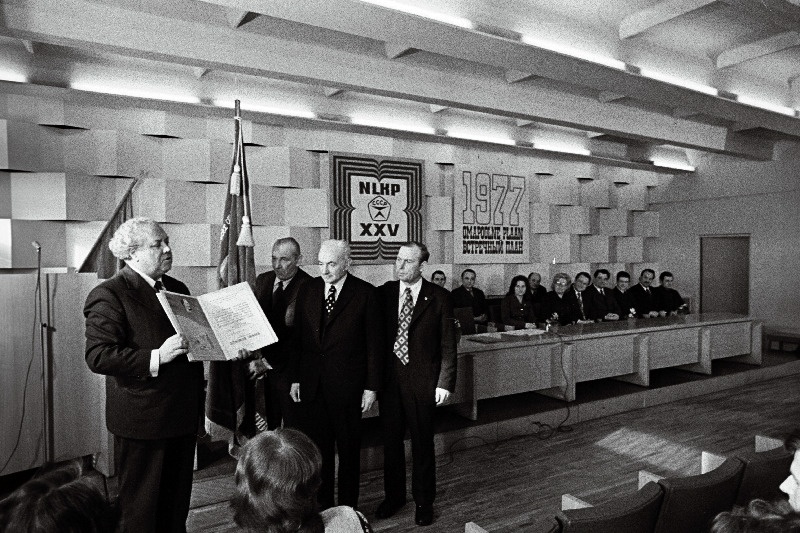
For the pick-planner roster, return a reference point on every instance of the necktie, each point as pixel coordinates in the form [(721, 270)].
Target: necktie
[(580, 304), (330, 300), (602, 293), (401, 342), (278, 305), (158, 286)]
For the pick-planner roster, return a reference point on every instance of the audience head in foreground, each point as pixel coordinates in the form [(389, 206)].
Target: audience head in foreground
[(58, 501), (791, 485), (277, 480), (758, 517)]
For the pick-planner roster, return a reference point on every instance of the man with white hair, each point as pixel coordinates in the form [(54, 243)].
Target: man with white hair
[(152, 391), (337, 368)]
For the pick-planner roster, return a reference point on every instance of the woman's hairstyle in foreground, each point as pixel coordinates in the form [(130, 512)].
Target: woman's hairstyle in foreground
[(277, 480), (58, 501), (759, 517)]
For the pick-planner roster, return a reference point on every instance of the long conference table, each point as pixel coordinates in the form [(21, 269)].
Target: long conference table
[(498, 364)]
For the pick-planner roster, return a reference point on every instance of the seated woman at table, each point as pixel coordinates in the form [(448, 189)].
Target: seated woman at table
[(555, 308), (516, 308)]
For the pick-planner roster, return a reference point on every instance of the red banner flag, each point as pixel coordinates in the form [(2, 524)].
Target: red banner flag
[(230, 401), (100, 259)]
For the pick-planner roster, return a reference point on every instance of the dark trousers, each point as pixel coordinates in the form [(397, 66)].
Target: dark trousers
[(401, 407), (280, 406), (335, 425), (155, 483)]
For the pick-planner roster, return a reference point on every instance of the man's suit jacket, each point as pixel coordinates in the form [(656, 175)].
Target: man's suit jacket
[(279, 354), (668, 300), (124, 323), (640, 300), (599, 305), (623, 301), (431, 338), (342, 350), (462, 298), (572, 298)]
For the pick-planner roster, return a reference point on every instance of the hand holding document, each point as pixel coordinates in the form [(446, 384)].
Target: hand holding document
[(219, 323)]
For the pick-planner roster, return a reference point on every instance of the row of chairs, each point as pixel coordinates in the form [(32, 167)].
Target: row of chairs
[(680, 504)]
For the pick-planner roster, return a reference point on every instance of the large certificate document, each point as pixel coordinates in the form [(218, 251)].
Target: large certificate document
[(219, 323)]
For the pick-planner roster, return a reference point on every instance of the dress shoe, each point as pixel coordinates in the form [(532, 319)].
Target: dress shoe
[(424, 515), (388, 508)]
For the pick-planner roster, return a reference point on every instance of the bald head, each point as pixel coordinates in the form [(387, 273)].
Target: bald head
[(333, 260)]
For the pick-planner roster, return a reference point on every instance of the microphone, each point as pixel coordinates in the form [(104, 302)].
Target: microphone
[(36, 246)]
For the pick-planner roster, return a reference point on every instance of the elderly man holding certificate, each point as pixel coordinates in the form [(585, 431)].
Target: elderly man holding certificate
[(153, 390)]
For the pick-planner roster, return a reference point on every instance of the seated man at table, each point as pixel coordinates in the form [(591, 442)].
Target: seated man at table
[(641, 295), (536, 291), (556, 307), (598, 299), (668, 300), (620, 293), (438, 277), (468, 295), (575, 295)]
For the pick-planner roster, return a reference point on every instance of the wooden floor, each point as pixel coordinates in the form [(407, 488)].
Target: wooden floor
[(516, 484)]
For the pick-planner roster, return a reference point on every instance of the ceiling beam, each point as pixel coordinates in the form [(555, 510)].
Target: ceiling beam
[(396, 50), (609, 96), (236, 17), (780, 13), (513, 76), (641, 21), (83, 23), (332, 91), (372, 22), (755, 49)]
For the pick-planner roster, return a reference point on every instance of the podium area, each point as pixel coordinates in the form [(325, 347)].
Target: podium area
[(507, 469)]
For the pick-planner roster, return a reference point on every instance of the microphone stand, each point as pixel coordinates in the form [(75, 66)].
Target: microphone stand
[(47, 366)]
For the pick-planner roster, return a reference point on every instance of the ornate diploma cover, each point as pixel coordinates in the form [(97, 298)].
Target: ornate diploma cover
[(218, 323), (491, 218), (377, 204)]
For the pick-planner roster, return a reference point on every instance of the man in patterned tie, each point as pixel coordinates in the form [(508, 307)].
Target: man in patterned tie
[(338, 366), (420, 344)]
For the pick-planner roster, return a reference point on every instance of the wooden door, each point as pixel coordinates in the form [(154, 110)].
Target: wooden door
[(725, 274)]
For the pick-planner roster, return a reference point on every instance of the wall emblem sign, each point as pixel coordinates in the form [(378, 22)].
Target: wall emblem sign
[(490, 218), (377, 204)]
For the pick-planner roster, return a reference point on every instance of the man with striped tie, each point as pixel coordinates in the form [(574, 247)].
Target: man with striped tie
[(420, 338), (338, 366)]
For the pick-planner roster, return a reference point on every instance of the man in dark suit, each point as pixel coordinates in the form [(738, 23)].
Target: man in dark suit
[(420, 374), (575, 297), (600, 303), (536, 293), (277, 291), (338, 366), (468, 295), (153, 393), (620, 293), (668, 300), (641, 297)]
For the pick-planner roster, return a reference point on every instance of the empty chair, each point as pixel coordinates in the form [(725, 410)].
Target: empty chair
[(763, 474), (631, 513), (690, 503)]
